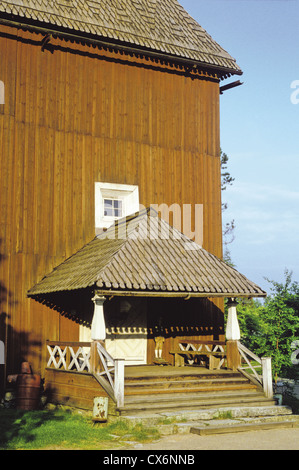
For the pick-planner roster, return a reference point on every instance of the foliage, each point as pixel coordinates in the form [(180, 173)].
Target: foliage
[(229, 227), (269, 329), (58, 429), (226, 178), (251, 326)]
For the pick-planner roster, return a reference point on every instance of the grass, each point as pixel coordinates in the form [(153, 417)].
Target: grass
[(62, 430), (224, 415)]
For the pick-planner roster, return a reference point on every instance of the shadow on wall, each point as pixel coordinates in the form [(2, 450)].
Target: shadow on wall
[(16, 344), (5, 301), (193, 317)]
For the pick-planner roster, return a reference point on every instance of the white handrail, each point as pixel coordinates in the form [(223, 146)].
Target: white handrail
[(117, 383), (264, 363)]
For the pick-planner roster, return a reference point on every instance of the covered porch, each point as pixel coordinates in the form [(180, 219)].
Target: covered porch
[(77, 373), (144, 295)]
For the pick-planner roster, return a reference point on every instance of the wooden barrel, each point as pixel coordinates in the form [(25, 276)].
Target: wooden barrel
[(28, 391)]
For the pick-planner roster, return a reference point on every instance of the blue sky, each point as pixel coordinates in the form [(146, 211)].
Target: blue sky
[(260, 130)]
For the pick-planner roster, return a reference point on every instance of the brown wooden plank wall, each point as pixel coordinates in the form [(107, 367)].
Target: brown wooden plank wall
[(74, 389), (73, 116)]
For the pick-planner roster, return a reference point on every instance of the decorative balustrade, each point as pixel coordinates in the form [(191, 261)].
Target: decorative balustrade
[(89, 358), (260, 370), (195, 349), (69, 356)]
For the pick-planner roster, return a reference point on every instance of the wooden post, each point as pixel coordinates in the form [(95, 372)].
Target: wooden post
[(93, 357), (233, 355), (96, 365), (233, 336), (119, 384), (267, 376)]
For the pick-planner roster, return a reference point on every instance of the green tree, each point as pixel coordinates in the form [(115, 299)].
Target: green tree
[(280, 319), (229, 227), (251, 325), (271, 328), (226, 178)]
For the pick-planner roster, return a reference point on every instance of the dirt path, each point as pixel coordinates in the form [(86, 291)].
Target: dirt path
[(278, 439)]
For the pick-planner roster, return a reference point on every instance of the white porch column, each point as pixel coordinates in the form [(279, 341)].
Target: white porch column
[(233, 336), (98, 326), (232, 327)]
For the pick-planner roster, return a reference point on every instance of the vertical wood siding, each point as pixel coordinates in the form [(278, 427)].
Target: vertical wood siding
[(74, 116)]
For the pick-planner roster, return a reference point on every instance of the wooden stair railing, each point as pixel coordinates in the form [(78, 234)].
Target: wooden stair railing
[(263, 379), (114, 370), (93, 359)]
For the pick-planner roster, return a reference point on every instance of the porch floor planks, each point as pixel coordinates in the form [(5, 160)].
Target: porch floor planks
[(149, 371), (191, 390)]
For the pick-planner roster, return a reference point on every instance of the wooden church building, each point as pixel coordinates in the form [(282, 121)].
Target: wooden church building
[(110, 201)]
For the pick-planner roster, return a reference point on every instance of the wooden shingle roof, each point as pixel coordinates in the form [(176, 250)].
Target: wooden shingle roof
[(152, 25), (143, 254)]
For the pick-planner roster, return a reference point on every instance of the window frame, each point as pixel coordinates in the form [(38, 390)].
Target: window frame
[(127, 194)]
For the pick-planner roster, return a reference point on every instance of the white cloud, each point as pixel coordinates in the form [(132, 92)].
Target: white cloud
[(264, 213)]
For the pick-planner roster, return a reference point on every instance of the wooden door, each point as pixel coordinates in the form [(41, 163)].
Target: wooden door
[(126, 330)]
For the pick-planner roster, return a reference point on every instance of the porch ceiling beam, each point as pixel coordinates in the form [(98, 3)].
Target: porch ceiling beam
[(184, 295)]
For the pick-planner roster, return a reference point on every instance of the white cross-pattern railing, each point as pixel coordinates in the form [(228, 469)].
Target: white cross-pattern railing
[(70, 356), (195, 347), (264, 378), (202, 347), (91, 358)]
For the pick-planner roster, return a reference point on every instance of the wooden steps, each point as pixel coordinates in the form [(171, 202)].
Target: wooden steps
[(191, 384), (185, 400), (143, 407), (157, 391)]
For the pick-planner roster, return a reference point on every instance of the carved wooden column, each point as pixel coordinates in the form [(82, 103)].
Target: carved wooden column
[(98, 326), (232, 337), (98, 332)]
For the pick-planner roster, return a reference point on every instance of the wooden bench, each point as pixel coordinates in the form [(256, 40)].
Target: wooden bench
[(213, 351)]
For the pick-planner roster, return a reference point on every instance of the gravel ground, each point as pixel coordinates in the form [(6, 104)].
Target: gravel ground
[(276, 439)]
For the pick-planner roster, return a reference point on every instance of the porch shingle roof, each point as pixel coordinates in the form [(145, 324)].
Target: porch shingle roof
[(154, 25), (144, 254)]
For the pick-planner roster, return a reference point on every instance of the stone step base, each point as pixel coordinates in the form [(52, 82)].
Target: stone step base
[(182, 422), (236, 426)]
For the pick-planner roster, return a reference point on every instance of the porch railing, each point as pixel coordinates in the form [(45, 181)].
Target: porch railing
[(89, 358), (69, 356), (114, 370), (257, 369)]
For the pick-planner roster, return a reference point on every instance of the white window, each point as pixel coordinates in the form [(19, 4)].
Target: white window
[(113, 208), (113, 201)]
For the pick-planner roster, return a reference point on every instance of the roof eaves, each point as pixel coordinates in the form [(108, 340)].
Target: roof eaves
[(82, 30)]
